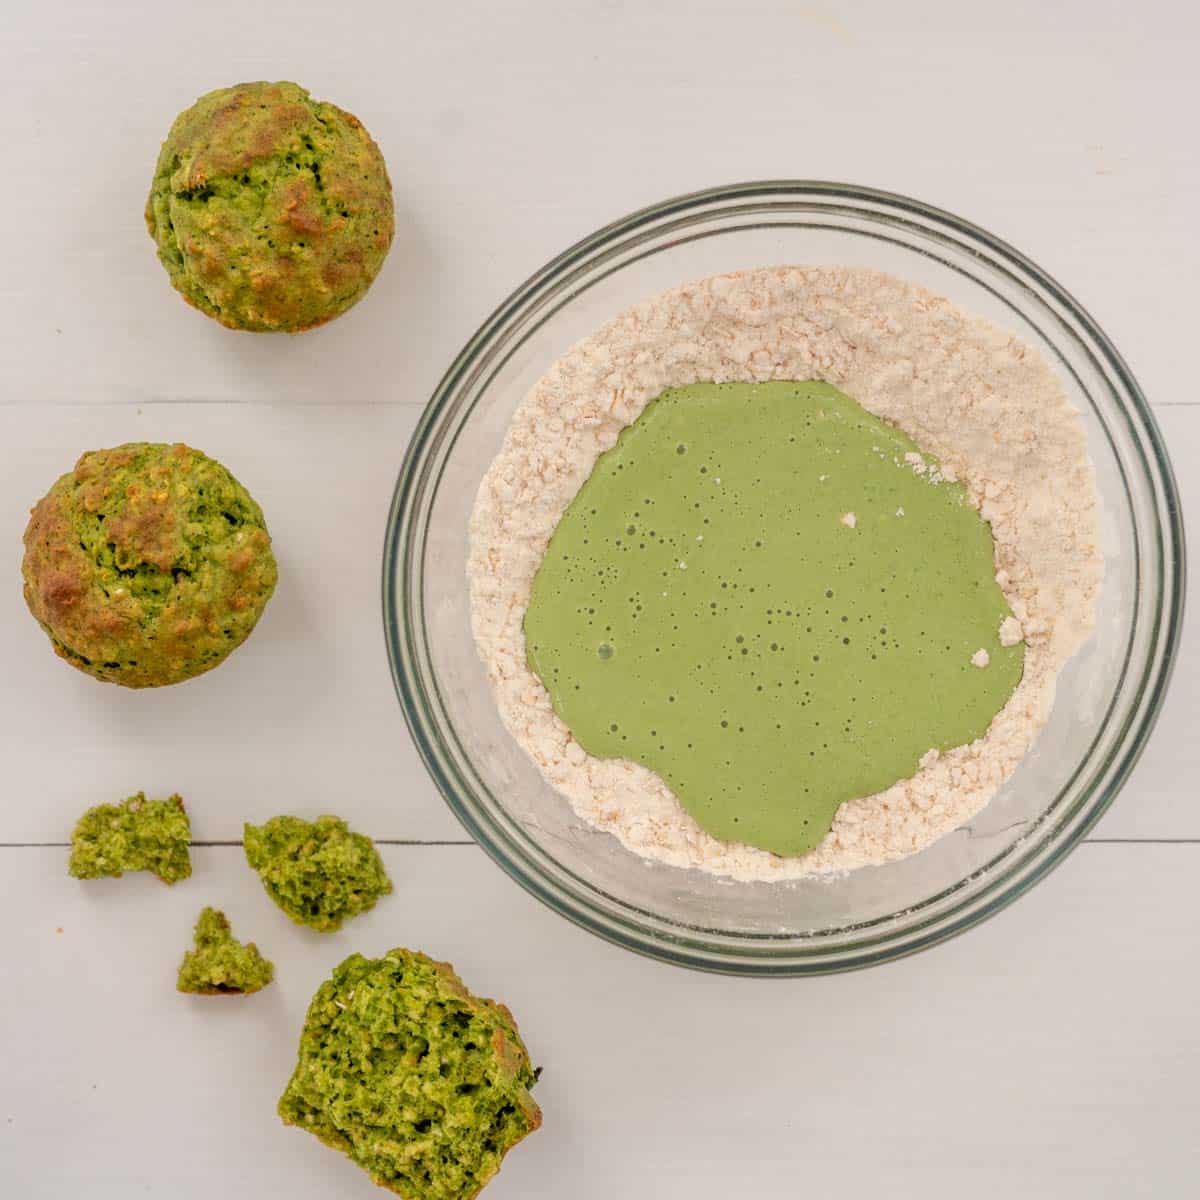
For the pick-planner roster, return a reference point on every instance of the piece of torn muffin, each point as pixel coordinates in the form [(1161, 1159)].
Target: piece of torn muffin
[(135, 835), (220, 965)]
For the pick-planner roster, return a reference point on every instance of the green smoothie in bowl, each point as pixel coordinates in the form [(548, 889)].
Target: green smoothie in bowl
[(774, 574)]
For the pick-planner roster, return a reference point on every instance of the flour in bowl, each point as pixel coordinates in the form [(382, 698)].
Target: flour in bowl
[(984, 404)]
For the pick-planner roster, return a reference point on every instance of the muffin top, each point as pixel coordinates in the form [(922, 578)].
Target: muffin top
[(147, 564), (271, 211)]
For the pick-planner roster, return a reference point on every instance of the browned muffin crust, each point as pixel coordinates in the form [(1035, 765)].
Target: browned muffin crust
[(270, 210), (147, 564)]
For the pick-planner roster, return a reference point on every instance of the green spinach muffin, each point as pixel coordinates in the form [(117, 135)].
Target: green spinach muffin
[(424, 1085), (147, 564), (220, 965), (135, 835), (319, 872), (270, 210)]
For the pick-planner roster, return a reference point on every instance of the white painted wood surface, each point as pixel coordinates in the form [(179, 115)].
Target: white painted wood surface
[(1051, 1052)]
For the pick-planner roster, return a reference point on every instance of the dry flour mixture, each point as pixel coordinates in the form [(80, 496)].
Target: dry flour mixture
[(972, 395)]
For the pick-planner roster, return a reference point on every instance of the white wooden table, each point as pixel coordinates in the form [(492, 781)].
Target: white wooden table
[(1052, 1052)]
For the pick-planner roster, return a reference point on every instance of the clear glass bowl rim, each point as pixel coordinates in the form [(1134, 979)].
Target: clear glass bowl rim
[(404, 547)]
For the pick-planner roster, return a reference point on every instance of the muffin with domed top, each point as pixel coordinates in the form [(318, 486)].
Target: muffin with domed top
[(271, 210), (147, 564)]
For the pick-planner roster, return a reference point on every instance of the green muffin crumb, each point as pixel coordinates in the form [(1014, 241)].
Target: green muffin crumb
[(135, 835), (423, 1084), (318, 872), (220, 965)]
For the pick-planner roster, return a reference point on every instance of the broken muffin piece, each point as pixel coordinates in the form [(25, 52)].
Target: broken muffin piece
[(135, 835), (318, 872), (423, 1084), (220, 965)]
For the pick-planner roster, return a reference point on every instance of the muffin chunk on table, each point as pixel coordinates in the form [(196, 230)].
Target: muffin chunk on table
[(318, 872), (423, 1084), (135, 835), (220, 965)]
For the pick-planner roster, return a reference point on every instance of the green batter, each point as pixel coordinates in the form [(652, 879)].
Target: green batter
[(758, 598)]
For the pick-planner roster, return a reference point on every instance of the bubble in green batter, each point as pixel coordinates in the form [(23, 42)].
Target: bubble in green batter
[(758, 598)]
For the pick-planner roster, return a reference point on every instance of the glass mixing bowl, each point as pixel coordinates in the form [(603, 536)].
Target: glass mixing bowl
[(1108, 696)]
